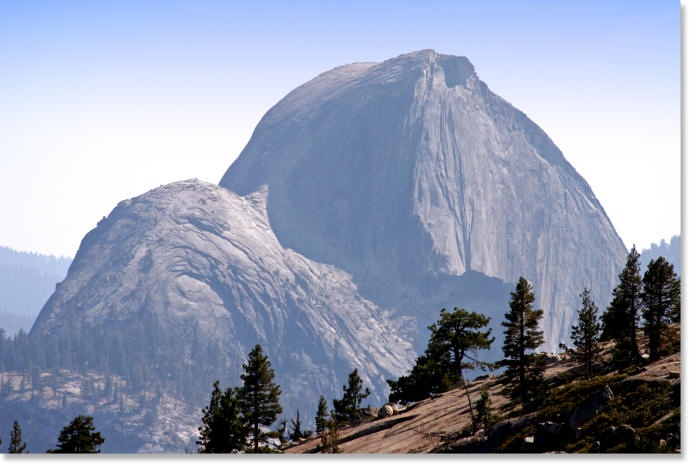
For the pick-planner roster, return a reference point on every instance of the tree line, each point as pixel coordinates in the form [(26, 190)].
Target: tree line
[(458, 336), (79, 436), (240, 419), (650, 302), (146, 351), (654, 300)]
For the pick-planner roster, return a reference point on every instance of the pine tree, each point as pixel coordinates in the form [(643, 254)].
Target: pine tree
[(222, 429), (330, 438), (347, 408), (620, 318), (321, 415), (524, 367), (457, 333), (429, 376), (661, 300), (585, 335), (281, 431), (259, 396), (454, 337), (484, 417), (16, 444), (79, 437), (296, 429)]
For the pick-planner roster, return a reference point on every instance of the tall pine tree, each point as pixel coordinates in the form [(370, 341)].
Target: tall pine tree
[(661, 301), (259, 396), (621, 317), (586, 334), (79, 437), (522, 337), (455, 340), (296, 429), (484, 416), (347, 408), (457, 333), (321, 415), (222, 430), (16, 444)]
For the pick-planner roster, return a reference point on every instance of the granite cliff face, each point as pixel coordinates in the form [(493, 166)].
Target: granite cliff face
[(192, 254), (413, 166)]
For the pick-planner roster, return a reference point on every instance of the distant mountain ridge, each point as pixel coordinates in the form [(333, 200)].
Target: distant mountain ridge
[(670, 251), (26, 282), (43, 263)]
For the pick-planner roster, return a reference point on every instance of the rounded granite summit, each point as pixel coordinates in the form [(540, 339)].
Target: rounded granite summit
[(200, 263), (412, 167)]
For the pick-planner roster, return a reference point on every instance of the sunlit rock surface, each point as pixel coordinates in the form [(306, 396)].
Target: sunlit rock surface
[(413, 166)]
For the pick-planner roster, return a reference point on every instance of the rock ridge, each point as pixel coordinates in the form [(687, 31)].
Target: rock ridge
[(413, 166)]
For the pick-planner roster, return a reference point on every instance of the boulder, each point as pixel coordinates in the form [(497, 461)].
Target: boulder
[(486, 441), (386, 411), (552, 429), (551, 358), (545, 439), (368, 413), (528, 444), (616, 435), (589, 408), (500, 431), (477, 443)]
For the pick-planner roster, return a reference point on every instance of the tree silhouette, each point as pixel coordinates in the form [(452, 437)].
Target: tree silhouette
[(522, 337), (259, 396), (296, 429), (222, 429), (620, 318), (484, 416), (661, 301), (457, 333), (321, 415), (347, 408), (454, 342), (585, 335), (16, 444), (79, 437)]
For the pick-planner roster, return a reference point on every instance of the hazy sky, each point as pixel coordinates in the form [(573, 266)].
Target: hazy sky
[(100, 102)]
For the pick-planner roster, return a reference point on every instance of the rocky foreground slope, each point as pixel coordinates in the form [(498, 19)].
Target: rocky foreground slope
[(616, 411)]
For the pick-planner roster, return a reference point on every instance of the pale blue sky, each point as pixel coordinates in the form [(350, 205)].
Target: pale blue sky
[(103, 101)]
